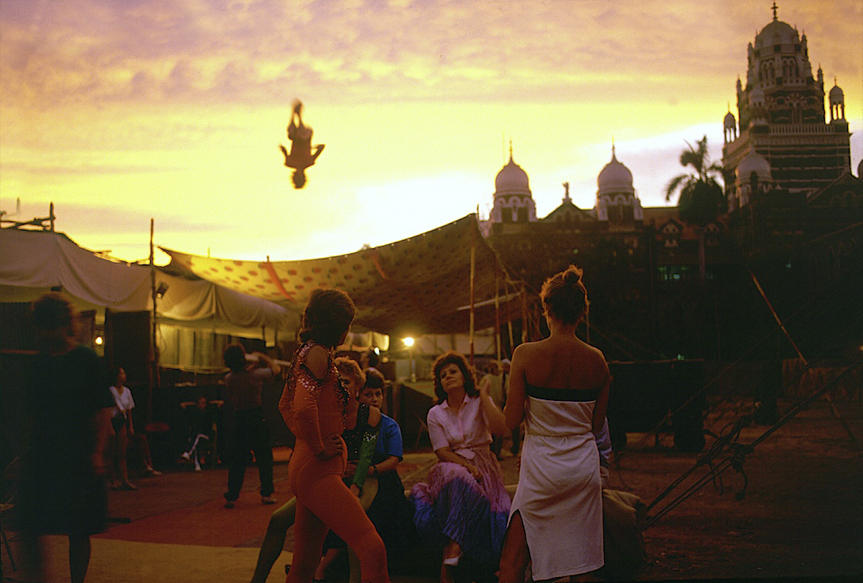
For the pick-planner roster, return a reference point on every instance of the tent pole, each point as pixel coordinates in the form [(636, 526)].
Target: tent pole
[(154, 360), (472, 272), (509, 324), (524, 323), (497, 317)]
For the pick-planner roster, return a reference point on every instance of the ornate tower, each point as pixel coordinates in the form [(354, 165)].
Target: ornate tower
[(781, 114)]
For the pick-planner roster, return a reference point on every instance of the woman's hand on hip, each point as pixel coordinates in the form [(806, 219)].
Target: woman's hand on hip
[(333, 446)]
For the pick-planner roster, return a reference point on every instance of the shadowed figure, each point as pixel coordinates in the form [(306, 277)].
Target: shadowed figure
[(301, 155)]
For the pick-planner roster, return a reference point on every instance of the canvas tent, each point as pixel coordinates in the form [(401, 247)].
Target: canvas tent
[(425, 284), (34, 262)]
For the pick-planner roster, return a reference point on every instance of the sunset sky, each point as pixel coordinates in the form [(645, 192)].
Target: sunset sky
[(122, 110)]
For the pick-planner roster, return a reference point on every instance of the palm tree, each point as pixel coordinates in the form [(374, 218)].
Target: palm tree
[(701, 197)]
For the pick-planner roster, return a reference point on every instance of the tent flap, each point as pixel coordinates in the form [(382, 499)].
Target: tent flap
[(33, 261)]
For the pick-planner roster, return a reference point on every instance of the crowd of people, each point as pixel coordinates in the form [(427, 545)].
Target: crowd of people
[(343, 472)]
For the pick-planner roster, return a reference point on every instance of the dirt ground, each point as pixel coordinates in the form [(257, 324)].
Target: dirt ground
[(800, 514)]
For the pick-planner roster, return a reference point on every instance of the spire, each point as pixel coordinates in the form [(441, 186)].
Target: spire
[(510, 150), (613, 156), (775, 9)]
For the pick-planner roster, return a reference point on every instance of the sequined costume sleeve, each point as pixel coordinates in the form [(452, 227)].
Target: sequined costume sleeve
[(299, 402)]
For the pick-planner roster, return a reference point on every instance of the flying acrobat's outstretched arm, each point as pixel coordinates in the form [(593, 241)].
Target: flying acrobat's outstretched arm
[(318, 149)]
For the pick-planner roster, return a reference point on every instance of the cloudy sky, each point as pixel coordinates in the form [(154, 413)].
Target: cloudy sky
[(122, 110)]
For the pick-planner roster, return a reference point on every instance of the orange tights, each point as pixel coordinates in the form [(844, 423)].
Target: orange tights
[(327, 504)]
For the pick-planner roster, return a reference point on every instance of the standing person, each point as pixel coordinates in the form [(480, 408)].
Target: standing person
[(559, 387), (69, 411), (494, 378), (301, 156), (249, 431), (464, 503), (360, 444), (124, 429), (316, 408)]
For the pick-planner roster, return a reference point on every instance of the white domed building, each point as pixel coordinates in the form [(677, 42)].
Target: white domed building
[(513, 202), (616, 201), (751, 176)]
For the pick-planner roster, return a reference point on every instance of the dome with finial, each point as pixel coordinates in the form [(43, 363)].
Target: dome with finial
[(836, 94), (753, 162), (730, 121), (776, 33), (614, 177), (511, 179)]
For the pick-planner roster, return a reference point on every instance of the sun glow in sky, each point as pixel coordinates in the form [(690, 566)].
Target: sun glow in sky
[(122, 111)]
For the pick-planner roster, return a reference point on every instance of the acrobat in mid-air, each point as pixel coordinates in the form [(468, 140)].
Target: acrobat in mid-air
[(301, 155)]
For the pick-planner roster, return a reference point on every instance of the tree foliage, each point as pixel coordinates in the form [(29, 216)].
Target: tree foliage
[(701, 196)]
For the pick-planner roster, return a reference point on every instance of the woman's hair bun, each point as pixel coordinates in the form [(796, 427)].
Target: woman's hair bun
[(564, 295), (572, 275)]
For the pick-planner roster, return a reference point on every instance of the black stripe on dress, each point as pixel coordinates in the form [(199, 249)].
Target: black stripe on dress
[(572, 395)]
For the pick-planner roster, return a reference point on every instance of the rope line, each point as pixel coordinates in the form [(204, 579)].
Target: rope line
[(735, 453)]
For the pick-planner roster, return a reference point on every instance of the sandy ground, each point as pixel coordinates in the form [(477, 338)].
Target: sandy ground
[(801, 515)]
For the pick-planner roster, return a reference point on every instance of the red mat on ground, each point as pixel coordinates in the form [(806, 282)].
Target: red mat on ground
[(210, 524)]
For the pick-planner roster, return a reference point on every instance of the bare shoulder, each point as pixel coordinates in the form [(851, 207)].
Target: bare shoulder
[(526, 349), (597, 358), (317, 361)]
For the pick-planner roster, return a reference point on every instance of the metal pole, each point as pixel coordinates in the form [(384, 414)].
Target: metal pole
[(472, 273), (154, 360)]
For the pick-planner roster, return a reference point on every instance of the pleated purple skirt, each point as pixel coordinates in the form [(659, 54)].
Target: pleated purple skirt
[(453, 505)]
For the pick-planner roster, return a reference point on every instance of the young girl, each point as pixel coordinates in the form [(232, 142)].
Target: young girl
[(389, 511), (364, 437), (317, 409)]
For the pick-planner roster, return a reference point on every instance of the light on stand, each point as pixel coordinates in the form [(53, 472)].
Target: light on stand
[(408, 341)]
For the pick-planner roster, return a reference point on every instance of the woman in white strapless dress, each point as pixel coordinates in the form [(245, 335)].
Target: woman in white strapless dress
[(559, 388)]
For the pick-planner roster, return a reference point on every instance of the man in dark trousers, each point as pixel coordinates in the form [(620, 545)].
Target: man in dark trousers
[(247, 428)]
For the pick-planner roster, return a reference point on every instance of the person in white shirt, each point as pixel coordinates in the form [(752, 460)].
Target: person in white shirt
[(463, 500), (124, 428)]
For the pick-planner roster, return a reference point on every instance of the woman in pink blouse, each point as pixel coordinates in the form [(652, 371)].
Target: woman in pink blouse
[(463, 505)]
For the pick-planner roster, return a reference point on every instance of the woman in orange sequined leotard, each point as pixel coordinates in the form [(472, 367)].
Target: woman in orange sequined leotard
[(317, 409)]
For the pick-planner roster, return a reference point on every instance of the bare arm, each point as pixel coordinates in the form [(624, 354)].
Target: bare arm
[(601, 407), (493, 416), (306, 404), (446, 454), (104, 430), (515, 398), (274, 366), (387, 465), (318, 149)]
